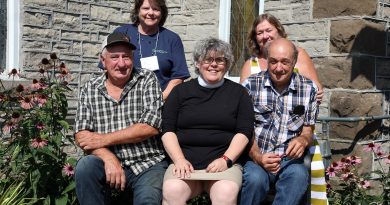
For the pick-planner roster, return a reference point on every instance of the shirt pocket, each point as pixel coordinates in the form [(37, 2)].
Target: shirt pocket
[(295, 122), (263, 114)]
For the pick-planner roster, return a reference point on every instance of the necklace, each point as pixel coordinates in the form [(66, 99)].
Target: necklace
[(140, 47)]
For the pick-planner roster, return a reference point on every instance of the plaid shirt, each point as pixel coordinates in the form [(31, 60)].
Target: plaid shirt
[(276, 120), (140, 102)]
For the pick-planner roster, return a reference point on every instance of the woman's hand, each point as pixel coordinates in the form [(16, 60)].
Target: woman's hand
[(218, 165), (182, 169)]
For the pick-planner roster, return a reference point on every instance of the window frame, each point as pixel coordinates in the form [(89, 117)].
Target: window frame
[(224, 25), (13, 38)]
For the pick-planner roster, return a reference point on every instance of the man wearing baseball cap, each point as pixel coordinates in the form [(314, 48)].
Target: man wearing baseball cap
[(117, 125)]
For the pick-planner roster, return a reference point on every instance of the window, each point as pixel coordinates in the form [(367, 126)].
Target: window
[(3, 33), (236, 16), (9, 36)]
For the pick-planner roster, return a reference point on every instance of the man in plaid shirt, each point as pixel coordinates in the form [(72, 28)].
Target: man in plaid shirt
[(285, 113), (117, 125)]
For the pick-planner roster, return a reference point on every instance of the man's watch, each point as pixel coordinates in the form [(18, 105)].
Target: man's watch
[(229, 162)]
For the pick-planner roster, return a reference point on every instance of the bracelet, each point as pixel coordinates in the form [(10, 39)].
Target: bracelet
[(229, 162)]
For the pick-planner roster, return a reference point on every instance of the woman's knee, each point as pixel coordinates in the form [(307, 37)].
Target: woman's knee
[(176, 190), (224, 192)]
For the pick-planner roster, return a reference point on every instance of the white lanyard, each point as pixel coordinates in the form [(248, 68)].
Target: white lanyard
[(140, 47)]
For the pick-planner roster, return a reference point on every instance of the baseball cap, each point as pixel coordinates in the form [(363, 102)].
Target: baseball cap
[(116, 38)]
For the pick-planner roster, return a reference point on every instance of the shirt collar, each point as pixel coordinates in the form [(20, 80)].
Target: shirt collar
[(293, 86)]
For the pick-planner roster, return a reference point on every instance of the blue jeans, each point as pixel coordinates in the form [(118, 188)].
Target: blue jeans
[(290, 182), (92, 189)]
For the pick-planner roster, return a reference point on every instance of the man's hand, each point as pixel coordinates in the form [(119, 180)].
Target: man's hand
[(115, 175), (297, 147), (269, 161), (182, 168), (91, 140)]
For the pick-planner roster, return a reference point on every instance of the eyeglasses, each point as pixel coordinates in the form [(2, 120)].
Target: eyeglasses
[(218, 60)]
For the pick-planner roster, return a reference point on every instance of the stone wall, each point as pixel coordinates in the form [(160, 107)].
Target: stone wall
[(75, 29), (348, 42)]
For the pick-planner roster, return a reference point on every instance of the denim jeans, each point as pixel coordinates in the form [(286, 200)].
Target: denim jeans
[(290, 182), (92, 189)]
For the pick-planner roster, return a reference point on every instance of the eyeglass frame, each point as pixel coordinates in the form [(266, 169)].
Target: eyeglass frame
[(218, 61)]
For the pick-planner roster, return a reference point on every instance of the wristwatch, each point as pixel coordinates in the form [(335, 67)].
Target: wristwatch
[(229, 162)]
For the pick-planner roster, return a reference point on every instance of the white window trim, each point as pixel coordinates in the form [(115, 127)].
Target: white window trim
[(224, 24), (13, 38)]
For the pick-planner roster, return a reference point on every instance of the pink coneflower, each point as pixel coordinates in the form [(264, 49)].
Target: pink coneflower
[(68, 169), (14, 72), (26, 103), (2, 97), (347, 176), (355, 160), (16, 117), (40, 125), (336, 165), (19, 88), (36, 85), (364, 184), (331, 171), (38, 142), (8, 127), (41, 99), (379, 153), (387, 160), (371, 147)]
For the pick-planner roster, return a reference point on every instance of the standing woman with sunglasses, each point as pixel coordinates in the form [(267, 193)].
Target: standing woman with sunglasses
[(207, 123), (158, 49)]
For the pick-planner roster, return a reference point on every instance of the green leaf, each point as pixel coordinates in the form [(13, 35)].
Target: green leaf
[(49, 153), (64, 124), (62, 200), (70, 187)]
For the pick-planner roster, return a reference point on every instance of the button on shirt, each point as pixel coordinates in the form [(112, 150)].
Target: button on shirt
[(140, 102), (276, 120)]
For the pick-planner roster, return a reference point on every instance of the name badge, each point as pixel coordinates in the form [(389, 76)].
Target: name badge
[(150, 63)]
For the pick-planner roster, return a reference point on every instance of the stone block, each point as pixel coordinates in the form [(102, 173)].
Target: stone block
[(345, 149), (40, 33), (36, 44), (301, 13), (200, 5), (181, 30), (383, 66), (36, 18), (352, 72), (75, 35), (306, 30), (314, 47), (192, 17), (79, 7), (119, 4), (282, 14), (348, 104), (357, 36), (91, 49), (200, 31), (32, 59), (52, 4), (94, 26), (67, 21), (62, 47), (91, 66), (386, 12), (104, 13), (332, 8), (271, 4)]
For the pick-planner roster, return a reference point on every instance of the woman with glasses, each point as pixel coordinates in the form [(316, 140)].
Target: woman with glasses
[(207, 123)]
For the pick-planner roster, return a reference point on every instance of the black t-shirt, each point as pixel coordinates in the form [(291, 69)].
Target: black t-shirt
[(205, 120)]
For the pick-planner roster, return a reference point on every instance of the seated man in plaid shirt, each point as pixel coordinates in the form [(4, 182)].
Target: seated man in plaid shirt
[(285, 113), (117, 125)]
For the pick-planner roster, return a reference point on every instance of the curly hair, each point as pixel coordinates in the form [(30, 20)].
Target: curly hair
[(138, 3), (205, 46), (252, 44)]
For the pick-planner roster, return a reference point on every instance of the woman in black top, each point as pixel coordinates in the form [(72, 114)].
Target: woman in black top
[(207, 123)]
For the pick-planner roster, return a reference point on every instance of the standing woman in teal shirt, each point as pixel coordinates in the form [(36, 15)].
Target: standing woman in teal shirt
[(158, 49)]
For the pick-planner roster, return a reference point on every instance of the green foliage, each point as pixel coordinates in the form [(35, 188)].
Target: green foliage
[(350, 188), (14, 194), (34, 134)]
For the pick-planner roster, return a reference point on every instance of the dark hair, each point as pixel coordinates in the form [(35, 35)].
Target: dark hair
[(251, 38), (137, 6)]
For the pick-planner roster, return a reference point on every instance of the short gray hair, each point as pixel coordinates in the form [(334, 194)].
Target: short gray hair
[(207, 45)]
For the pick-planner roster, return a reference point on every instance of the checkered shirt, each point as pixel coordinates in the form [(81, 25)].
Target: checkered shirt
[(275, 122), (140, 102)]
